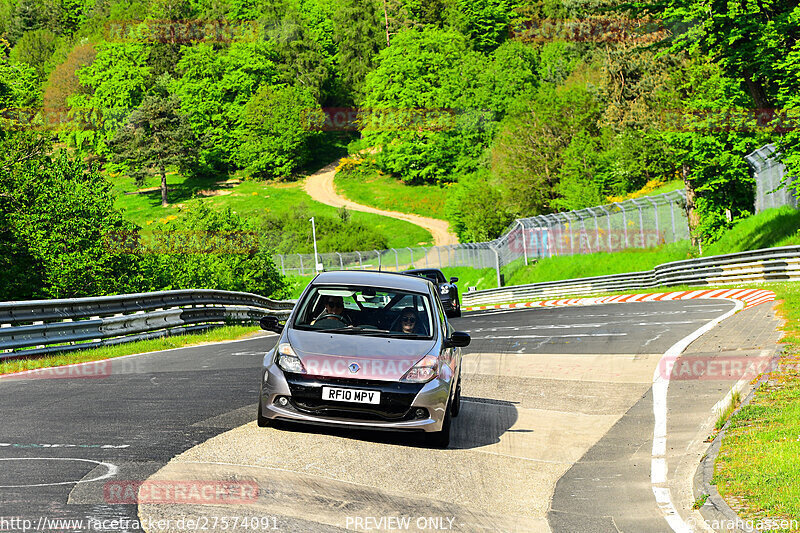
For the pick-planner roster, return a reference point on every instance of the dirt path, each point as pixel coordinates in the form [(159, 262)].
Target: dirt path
[(320, 187)]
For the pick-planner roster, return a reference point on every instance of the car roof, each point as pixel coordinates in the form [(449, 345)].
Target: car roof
[(370, 278), (423, 271)]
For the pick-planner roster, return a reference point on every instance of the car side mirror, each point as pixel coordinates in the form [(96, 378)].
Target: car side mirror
[(270, 323), (458, 339), (453, 280)]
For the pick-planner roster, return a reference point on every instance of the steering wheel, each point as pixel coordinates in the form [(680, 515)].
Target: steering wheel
[(333, 316)]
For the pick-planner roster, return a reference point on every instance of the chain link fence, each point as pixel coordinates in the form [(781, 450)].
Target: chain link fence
[(770, 175), (639, 223)]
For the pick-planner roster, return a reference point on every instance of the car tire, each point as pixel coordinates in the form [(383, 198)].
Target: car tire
[(456, 407), (261, 421), (441, 439)]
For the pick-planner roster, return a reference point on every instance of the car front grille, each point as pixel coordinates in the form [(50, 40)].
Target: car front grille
[(396, 398)]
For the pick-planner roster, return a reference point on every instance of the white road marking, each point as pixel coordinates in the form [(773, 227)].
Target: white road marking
[(578, 326), (111, 471), (552, 336), (658, 463), (41, 445)]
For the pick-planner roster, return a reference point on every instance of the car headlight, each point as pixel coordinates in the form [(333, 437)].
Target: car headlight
[(425, 370), (444, 289), (288, 360)]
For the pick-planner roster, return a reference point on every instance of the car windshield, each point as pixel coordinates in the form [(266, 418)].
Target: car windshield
[(434, 275), (371, 311)]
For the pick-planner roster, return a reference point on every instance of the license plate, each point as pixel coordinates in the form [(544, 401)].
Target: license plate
[(336, 394)]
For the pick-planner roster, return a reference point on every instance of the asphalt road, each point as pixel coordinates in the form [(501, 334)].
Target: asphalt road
[(541, 388)]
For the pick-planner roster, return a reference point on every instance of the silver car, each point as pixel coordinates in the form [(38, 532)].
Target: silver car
[(365, 349)]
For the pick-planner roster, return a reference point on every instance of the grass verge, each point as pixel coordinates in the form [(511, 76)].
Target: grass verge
[(757, 467), (599, 264), (108, 352)]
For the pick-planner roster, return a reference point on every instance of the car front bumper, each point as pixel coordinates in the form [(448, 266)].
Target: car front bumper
[(305, 405)]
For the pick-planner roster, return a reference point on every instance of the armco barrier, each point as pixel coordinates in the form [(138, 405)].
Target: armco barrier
[(36, 327), (769, 264)]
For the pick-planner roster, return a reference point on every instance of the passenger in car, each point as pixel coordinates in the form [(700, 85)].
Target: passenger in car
[(409, 322)]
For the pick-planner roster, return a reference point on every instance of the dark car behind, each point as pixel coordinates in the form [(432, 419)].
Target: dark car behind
[(448, 291)]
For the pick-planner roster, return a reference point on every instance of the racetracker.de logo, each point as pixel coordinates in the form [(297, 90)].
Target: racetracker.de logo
[(181, 492), (709, 368)]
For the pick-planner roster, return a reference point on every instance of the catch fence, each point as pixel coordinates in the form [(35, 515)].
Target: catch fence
[(637, 223), (770, 174)]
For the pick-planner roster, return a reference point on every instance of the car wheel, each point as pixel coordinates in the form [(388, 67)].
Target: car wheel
[(262, 422), (456, 407), (441, 439)]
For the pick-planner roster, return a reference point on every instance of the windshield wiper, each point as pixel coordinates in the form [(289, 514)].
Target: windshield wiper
[(356, 329)]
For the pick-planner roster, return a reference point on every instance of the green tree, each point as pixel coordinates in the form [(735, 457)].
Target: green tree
[(528, 151), (155, 135), (59, 215), (360, 34), (214, 87), (475, 209), (208, 249), (276, 127), (437, 103), (36, 48)]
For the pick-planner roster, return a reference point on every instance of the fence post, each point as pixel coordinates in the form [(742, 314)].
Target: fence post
[(302, 270), (524, 244), (341, 263), (412, 255), (396, 260), (379, 259), (624, 223), (283, 267), (497, 265), (360, 264), (655, 212), (641, 220)]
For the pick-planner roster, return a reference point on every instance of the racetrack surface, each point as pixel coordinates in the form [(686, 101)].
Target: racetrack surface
[(321, 188), (545, 390)]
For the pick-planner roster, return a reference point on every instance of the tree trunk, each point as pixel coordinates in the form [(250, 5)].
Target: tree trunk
[(691, 211), (163, 186), (756, 90)]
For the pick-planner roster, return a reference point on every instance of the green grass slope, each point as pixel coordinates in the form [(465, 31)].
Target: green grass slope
[(773, 227), (249, 199), (385, 192)]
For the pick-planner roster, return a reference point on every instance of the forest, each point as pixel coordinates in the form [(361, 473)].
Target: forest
[(517, 108)]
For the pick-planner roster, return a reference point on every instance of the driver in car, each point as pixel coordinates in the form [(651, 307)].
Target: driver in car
[(334, 310)]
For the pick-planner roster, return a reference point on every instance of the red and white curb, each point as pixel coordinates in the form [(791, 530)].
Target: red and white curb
[(749, 297)]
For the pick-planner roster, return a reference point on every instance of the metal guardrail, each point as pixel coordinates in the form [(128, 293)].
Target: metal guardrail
[(770, 264), (36, 327)]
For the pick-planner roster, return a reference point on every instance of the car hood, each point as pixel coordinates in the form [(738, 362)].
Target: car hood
[(377, 358)]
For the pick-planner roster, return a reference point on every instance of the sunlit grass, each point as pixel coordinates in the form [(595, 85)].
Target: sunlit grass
[(388, 193), (249, 199)]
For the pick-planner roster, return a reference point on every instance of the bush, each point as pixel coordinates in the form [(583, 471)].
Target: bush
[(207, 249)]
